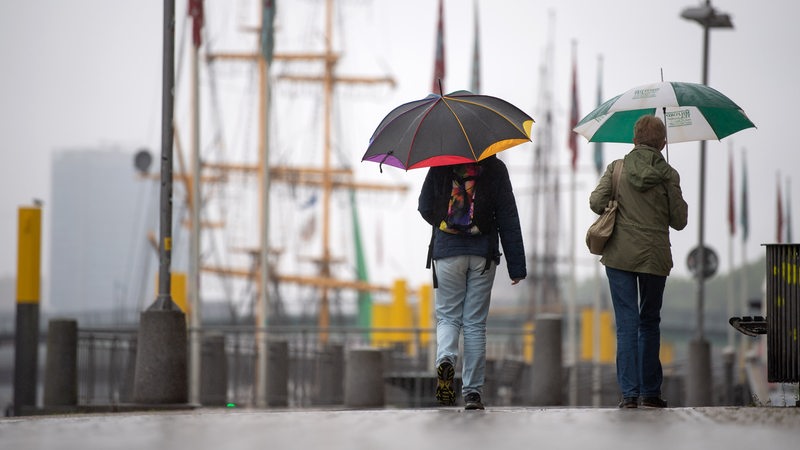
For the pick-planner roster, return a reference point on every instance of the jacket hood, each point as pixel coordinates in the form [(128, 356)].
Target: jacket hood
[(645, 167)]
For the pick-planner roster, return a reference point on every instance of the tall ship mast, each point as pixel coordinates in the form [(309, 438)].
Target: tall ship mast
[(271, 176), (546, 295)]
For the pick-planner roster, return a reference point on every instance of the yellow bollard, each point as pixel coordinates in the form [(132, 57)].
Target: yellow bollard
[(178, 291), (179, 296), (425, 313), (667, 353), (401, 314), (528, 341), (26, 339), (587, 334), (380, 320), (29, 252), (608, 338)]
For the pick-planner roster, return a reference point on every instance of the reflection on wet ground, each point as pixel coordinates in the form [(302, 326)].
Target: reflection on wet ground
[(495, 428)]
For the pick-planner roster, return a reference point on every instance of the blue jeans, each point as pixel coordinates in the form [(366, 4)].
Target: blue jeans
[(462, 302), (638, 315)]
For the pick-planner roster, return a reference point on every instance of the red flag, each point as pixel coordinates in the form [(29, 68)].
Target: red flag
[(196, 13), (779, 230), (438, 65), (744, 210), (731, 202), (573, 115)]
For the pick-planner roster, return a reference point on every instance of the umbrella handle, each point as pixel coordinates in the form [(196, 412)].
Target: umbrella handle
[(440, 87), (380, 165)]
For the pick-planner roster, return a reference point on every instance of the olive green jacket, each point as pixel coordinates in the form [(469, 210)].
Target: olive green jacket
[(650, 201)]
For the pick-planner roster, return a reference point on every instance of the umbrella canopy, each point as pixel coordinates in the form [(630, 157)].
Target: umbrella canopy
[(691, 112), (440, 130)]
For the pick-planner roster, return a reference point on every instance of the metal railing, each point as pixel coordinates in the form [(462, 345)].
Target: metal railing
[(106, 360)]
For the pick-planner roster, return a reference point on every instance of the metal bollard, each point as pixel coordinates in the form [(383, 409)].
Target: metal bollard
[(278, 374), (363, 379), (330, 375), (61, 367), (546, 383), (214, 371)]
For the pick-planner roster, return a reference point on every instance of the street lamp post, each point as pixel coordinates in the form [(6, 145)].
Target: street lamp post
[(698, 380), (160, 375)]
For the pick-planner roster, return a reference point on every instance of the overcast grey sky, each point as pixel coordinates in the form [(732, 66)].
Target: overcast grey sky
[(87, 73)]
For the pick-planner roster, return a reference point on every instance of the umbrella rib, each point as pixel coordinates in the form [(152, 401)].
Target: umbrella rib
[(494, 111), (461, 125), (428, 110)]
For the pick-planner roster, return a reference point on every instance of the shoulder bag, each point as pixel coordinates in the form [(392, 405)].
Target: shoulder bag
[(600, 231)]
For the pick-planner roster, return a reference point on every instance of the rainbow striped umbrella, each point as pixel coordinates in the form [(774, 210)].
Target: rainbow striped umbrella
[(441, 130)]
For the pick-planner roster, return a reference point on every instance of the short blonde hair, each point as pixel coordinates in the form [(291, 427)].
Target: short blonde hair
[(649, 130)]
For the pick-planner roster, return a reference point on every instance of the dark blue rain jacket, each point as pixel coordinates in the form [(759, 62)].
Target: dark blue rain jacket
[(495, 215)]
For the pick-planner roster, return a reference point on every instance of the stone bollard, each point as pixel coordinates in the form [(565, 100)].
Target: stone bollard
[(547, 385), (698, 373), (61, 367), (161, 375), (330, 375), (363, 379), (278, 374), (214, 371)]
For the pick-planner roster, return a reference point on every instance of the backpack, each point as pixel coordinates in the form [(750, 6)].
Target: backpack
[(460, 218)]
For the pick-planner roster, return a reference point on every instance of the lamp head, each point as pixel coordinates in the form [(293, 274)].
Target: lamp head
[(707, 16)]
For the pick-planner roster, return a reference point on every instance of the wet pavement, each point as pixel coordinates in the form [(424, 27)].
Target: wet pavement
[(709, 428)]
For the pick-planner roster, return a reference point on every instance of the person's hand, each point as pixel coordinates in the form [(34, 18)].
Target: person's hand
[(516, 280)]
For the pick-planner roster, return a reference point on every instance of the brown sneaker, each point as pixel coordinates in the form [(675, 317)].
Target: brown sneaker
[(629, 402)]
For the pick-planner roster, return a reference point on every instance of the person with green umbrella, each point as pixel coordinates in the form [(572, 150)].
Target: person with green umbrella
[(638, 258)]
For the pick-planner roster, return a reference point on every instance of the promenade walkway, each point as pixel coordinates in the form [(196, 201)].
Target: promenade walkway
[(711, 428)]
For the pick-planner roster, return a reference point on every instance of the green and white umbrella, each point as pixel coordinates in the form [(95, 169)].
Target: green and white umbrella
[(691, 112)]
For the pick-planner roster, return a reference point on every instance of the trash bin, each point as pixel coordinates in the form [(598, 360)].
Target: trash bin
[(783, 313)]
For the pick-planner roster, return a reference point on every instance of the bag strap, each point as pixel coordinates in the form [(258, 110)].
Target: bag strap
[(429, 264), (618, 165)]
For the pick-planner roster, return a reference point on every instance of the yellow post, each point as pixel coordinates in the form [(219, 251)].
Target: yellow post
[(178, 291), (667, 353), (527, 342), (29, 254), (608, 338), (380, 319), (587, 334), (26, 339), (425, 313), (400, 312)]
